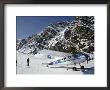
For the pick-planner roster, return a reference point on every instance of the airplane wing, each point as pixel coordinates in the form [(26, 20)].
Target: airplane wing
[(71, 68)]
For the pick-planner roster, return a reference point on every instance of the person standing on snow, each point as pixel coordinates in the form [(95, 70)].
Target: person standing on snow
[(87, 57), (28, 62), (16, 62)]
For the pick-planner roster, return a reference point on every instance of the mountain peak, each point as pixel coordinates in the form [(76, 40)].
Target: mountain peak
[(64, 36)]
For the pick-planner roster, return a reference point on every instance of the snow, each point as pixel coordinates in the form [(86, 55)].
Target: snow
[(60, 36), (37, 67)]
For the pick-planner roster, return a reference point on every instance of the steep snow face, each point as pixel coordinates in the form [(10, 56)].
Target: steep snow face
[(28, 47), (59, 37), (41, 40), (70, 37), (78, 36)]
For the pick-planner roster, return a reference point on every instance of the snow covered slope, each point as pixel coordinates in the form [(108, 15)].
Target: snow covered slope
[(70, 37), (37, 66)]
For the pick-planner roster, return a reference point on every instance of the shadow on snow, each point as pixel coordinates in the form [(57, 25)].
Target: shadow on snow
[(88, 70)]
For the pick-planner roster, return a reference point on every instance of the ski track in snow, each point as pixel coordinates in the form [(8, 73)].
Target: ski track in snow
[(36, 66)]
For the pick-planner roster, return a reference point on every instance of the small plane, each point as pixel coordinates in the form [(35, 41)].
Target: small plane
[(73, 59)]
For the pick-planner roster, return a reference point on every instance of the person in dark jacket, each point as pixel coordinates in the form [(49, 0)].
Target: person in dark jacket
[(16, 62), (87, 57), (28, 62)]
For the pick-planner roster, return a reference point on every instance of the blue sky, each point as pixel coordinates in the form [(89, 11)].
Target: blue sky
[(28, 25)]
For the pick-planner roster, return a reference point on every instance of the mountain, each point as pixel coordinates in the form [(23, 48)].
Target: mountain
[(70, 37)]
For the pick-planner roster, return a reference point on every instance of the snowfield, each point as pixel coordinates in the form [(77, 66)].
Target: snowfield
[(38, 64)]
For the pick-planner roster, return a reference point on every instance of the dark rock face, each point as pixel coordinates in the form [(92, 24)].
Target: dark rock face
[(71, 37)]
